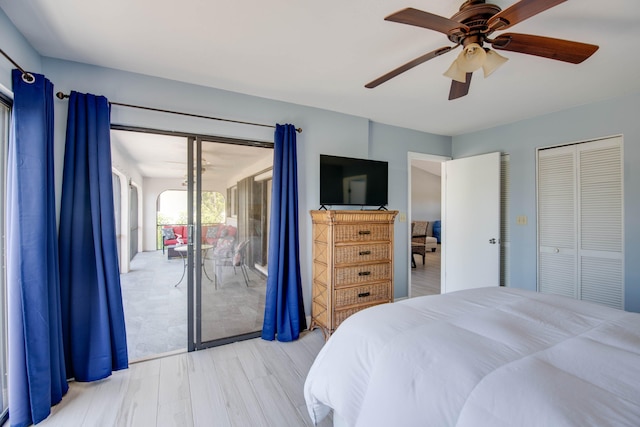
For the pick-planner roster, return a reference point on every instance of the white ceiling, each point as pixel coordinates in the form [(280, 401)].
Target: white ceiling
[(322, 53)]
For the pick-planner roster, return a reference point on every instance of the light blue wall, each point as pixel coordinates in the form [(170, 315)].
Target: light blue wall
[(426, 195), (324, 131), (393, 144), (16, 46), (339, 134), (612, 117)]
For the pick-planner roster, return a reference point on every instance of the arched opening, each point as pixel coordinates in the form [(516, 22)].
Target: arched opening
[(172, 210)]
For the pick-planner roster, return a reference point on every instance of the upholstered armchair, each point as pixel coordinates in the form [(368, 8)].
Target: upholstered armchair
[(421, 239)]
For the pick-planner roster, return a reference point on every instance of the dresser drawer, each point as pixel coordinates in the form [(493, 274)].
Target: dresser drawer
[(362, 253), (367, 294), (361, 232), (362, 274), (340, 315)]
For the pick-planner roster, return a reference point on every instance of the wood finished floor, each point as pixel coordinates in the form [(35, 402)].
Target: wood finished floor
[(248, 383), (425, 279)]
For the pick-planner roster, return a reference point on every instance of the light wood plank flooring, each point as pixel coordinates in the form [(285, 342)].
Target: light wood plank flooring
[(425, 279), (248, 383)]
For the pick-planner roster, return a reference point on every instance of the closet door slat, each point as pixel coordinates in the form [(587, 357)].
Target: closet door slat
[(581, 221)]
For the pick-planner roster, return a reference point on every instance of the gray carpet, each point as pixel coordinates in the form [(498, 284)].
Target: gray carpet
[(156, 310)]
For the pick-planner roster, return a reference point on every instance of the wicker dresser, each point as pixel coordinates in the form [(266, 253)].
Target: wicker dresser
[(352, 264)]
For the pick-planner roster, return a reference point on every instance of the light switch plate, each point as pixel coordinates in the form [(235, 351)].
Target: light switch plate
[(521, 220)]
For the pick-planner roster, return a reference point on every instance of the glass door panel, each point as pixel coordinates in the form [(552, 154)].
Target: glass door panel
[(4, 137), (229, 233)]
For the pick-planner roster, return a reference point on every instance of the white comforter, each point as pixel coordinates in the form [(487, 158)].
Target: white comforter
[(483, 357)]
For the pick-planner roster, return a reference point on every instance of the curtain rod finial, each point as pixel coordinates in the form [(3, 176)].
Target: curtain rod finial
[(299, 130), (28, 77), (61, 95)]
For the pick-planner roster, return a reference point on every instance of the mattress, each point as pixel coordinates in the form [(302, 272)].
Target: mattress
[(481, 357)]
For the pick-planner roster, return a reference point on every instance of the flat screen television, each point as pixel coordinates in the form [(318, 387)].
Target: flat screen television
[(349, 181)]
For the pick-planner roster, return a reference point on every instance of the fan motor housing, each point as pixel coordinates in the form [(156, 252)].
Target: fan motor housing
[(474, 14)]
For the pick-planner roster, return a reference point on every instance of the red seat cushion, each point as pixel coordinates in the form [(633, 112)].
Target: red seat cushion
[(180, 232), (210, 234)]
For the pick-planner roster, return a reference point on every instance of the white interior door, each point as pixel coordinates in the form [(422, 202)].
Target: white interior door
[(471, 223)]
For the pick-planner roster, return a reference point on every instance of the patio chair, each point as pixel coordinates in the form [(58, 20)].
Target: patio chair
[(235, 259)]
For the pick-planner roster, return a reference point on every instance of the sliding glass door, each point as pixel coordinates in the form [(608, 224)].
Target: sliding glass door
[(4, 137), (199, 278), (228, 234)]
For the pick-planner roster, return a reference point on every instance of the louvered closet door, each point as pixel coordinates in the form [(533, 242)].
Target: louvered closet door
[(505, 238), (600, 262), (580, 221), (557, 258)]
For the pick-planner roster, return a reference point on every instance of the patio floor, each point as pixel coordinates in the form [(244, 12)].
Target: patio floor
[(156, 310)]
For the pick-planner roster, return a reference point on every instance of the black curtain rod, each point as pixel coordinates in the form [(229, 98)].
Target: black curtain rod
[(61, 95), (27, 77)]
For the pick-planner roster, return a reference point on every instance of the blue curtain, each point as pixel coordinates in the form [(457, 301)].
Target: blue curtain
[(93, 326), (284, 316), (36, 368)]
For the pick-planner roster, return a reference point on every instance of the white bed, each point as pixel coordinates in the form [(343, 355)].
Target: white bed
[(482, 357)]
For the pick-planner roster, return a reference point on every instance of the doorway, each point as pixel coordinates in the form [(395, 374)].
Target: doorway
[(170, 305), (425, 213), (424, 176)]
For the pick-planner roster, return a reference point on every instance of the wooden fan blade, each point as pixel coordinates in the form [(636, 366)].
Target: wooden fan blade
[(411, 16), (458, 90), (518, 12), (409, 65), (546, 47)]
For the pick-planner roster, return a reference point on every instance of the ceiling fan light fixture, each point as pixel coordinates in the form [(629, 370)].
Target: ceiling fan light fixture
[(492, 62), (471, 58), (455, 73), (471, 27)]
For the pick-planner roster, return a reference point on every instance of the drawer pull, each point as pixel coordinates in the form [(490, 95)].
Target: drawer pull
[(364, 232), (364, 294), (364, 273), (365, 252)]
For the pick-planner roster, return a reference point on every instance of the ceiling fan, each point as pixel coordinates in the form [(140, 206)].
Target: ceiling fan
[(471, 27)]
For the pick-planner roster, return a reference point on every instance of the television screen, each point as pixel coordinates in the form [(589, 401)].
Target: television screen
[(348, 181)]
